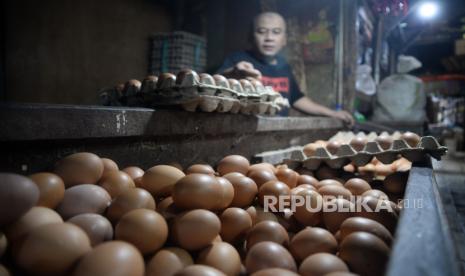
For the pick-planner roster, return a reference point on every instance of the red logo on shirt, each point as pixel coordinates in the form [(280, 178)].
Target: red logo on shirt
[(280, 84)]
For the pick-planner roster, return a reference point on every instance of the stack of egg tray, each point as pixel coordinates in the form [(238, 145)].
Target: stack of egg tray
[(346, 154), (199, 92)]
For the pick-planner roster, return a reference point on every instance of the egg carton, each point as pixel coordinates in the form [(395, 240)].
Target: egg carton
[(201, 92), (346, 154)]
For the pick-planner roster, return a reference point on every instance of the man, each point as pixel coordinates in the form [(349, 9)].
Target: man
[(265, 63)]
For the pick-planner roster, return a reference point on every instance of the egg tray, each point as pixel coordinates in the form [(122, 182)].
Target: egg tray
[(346, 154), (199, 92)]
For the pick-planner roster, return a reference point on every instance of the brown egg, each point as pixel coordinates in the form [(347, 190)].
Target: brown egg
[(380, 211), (159, 180), (134, 172), (138, 182), (17, 195), (383, 170), (145, 229), (245, 189), (365, 253), (86, 198), (310, 216), (307, 179), (335, 212), (260, 167), (262, 215), (375, 193), (332, 191), (133, 199), (167, 209), (274, 272), (200, 168), (51, 189), (233, 163), (111, 258), (350, 168), (109, 165), (310, 241), (97, 227), (222, 256), (302, 187), (333, 147), (35, 217), (168, 261), (260, 177), (3, 244), (235, 223), (196, 229), (80, 168), (200, 270), (395, 183), (198, 191), (287, 176), (267, 231), (385, 141), (310, 149), (269, 193), (116, 183), (357, 224), (411, 138), (268, 254), (227, 194), (358, 143), (357, 186), (59, 245), (320, 264), (337, 236), (327, 182)]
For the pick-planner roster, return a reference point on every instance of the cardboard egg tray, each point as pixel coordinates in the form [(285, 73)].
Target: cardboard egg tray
[(346, 154), (201, 92)]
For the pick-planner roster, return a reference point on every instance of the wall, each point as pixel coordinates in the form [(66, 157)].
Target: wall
[(63, 51)]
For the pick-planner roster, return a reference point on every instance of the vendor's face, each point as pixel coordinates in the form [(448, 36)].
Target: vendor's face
[(269, 34)]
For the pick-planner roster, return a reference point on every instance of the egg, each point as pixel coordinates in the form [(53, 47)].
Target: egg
[(268, 254), (385, 141), (267, 231), (261, 167), (133, 199), (35, 217), (380, 211), (134, 172), (58, 245), (310, 216), (307, 179), (17, 195), (200, 168), (51, 189), (358, 143), (327, 182), (321, 264), (235, 223), (333, 147), (274, 272), (85, 198), (200, 270), (357, 224), (198, 191), (227, 193), (111, 258), (287, 176), (116, 183), (159, 180), (145, 229), (3, 244), (310, 241), (411, 138), (357, 186), (167, 209), (80, 168), (331, 191), (395, 183), (168, 261), (365, 253), (270, 191), (109, 165), (222, 256), (233, 163), (333, 219), (310, 149), (245, 189), (196, 229), (261, 215), (375, 193), (301, 187), (97, 227), (260, 177)]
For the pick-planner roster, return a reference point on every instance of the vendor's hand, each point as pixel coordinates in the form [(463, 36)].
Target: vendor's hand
[(244, 70), (344, 116)]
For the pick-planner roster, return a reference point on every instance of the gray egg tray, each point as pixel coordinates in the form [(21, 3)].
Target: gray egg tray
[(347, 154), (200, 92)]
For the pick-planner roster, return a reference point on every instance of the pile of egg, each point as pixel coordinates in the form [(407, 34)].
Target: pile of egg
[(88, 217)]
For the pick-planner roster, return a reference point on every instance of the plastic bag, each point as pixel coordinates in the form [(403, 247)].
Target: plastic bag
[(364, 82)]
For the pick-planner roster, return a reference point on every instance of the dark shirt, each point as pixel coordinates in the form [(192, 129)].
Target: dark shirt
[(278, 75)]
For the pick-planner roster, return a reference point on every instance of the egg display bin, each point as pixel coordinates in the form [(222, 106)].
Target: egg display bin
[(204, 92)]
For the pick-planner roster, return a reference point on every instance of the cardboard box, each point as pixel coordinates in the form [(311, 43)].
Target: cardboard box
[(460, 47)]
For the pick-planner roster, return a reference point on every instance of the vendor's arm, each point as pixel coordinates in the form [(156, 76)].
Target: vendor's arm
[(306, 105)]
